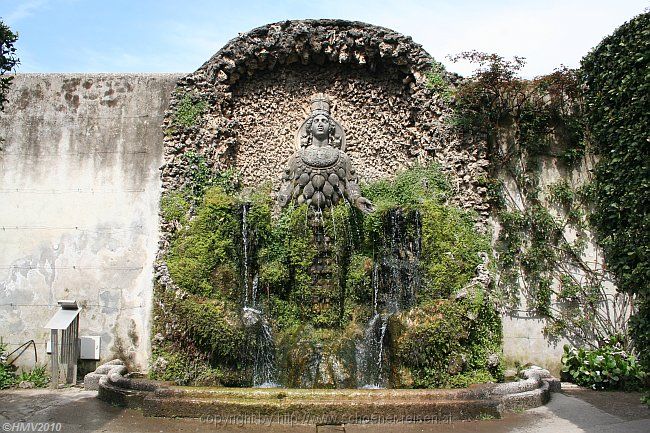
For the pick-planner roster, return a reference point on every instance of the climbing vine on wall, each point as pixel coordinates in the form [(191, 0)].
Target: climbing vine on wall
[(543, 236)]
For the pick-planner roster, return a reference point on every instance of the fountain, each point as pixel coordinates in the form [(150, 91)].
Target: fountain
[(352, 281), (321, 295)]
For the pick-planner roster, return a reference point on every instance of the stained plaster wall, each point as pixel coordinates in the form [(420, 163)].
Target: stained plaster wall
[(80, 188), (524, 339)]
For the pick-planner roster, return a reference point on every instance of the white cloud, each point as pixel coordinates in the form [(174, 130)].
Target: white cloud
[(547, 33), (23, 10)]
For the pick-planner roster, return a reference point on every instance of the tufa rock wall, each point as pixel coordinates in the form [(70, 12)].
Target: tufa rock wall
[(257, 90)]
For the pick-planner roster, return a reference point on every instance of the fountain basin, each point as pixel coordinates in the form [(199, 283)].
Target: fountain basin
[(328, 406)]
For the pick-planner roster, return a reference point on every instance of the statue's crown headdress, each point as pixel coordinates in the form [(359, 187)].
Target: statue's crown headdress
[(320, 104)]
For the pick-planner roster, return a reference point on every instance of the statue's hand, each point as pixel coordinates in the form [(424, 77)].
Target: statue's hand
[(364, 205)]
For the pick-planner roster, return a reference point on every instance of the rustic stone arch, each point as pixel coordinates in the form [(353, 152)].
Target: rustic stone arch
[(316, 41), (257, 89)]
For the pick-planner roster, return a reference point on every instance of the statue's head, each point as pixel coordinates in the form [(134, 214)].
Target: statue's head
[(320, 126), (320, 123)]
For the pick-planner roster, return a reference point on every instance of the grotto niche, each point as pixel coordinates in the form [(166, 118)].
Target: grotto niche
[(322, 224)]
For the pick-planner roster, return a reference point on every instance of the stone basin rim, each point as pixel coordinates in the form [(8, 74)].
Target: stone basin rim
[(156, 398)]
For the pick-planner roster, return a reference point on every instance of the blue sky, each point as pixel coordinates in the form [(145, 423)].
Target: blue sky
[(178, 36)]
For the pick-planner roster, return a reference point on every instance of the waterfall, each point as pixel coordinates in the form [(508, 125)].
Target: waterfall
[(254, 319), (371, 354), (375, 286), (264, 370), (395, 280), (244, 235)]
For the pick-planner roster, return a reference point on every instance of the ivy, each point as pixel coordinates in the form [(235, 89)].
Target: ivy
[(615, 76)]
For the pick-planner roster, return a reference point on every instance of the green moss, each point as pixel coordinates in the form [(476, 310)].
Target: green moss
[(174, 206), (433, 247), (310, 356), (450, 249), (409, 188), (189, 109), (444, 343), (207, 243)]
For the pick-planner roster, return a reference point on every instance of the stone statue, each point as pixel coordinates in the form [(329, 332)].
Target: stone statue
[(320, 173)]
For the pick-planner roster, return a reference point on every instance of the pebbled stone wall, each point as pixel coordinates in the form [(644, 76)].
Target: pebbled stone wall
[(257, 89)]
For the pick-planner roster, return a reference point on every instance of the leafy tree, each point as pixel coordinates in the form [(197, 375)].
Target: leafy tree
[(8, 60)]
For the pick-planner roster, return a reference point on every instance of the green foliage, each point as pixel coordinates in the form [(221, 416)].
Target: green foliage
[(450, 249), (174, 206), (8, 377), (38, 375), (607, 367), (189, 109), (8, 60), (561, 193), (7, 372), (205, 342), (202, 176), (409, 188), (447, 343), (214, 329), (206, 261), (206, 251), (617, 87), (437, 81), (542, 234)]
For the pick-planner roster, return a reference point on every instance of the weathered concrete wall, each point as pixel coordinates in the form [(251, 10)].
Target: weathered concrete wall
[(79, 188), (524, 336)]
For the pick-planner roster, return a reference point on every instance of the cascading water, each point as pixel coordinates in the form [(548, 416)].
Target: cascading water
[(395, 280), (244, 235), (371, 354), (264, 368)]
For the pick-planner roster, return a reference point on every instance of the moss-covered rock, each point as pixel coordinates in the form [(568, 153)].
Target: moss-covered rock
[(319, 282)]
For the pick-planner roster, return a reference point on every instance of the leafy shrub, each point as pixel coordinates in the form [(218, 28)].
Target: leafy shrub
[(8, 378), (608, 367), (38, 375), (7, 372)]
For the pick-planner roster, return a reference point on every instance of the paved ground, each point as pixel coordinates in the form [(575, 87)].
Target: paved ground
[(74, 410)]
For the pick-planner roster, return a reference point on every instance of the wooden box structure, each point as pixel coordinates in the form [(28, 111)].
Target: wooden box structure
[(64, 344)]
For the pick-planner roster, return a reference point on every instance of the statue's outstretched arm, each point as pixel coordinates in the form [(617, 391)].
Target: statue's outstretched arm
[(353, 191)]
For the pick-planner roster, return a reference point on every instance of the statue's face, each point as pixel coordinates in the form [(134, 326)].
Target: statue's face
[(320, 126)]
